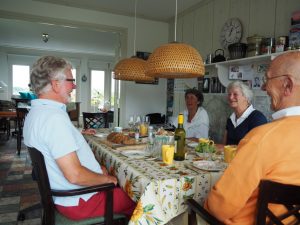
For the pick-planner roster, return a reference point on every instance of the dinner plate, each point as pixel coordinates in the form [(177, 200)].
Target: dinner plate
[(101, 135), (192, 144), (210, 165), (136, 154)]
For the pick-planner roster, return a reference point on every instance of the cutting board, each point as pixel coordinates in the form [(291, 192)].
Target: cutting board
[(140, 146)]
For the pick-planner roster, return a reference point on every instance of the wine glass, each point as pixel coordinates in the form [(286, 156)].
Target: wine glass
[(131, 122)]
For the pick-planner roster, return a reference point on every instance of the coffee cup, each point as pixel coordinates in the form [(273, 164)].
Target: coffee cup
[(229, 152), (167, 152)]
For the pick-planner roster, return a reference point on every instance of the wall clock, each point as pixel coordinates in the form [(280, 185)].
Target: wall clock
[(231, 32)]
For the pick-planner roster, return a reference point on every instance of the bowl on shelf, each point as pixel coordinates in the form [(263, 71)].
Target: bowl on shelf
[(237, 50)]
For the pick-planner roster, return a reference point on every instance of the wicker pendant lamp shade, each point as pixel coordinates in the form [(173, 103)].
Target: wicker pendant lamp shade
[(175, 60), (132, 69)]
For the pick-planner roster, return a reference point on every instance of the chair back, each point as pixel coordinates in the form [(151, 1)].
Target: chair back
[(95, 120), (156, 118), (41, 175), (21, 114), (73, 109), (271, 192)]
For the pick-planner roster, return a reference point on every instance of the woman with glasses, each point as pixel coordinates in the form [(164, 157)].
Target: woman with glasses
[(244, 116)]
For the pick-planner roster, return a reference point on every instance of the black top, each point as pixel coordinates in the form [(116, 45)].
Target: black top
[(235, 134)]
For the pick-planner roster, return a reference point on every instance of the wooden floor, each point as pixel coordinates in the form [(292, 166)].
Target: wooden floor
[(17, 189)]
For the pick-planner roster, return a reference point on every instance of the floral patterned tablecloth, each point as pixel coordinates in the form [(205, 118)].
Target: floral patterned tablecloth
[(159, 190)]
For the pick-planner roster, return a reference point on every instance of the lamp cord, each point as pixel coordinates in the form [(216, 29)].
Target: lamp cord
[(134, 27), (175, 21)]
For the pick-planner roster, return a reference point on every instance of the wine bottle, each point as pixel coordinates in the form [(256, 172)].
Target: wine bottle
[(179, 137)]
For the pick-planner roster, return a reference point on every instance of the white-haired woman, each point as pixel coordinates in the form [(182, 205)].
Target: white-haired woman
[(244, 116)]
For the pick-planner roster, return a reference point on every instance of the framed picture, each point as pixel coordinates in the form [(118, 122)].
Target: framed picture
[(206, 85)]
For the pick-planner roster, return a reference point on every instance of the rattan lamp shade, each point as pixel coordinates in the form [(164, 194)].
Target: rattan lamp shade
[(175, 60), (132, 69)]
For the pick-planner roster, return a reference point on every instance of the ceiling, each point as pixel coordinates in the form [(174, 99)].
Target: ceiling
[(160, 10)]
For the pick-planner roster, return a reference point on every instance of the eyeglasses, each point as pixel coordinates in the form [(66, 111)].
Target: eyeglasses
[(70, 80), (266, 79)]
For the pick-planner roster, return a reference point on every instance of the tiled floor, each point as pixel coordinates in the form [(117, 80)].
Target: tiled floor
[(17, 189)]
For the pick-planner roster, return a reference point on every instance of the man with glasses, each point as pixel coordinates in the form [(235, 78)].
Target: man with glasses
[(70, 162), (269, 152)]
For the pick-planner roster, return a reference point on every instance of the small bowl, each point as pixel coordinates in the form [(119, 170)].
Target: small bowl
[(118, 129)]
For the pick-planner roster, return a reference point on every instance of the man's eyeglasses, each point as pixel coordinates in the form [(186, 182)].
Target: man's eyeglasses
[(266, 79), (70, 80)]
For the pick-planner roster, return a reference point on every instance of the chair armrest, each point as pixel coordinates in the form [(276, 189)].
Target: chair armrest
[(85, 190), (203, 213)]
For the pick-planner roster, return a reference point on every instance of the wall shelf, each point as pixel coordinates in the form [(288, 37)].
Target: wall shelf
[(223, 67)]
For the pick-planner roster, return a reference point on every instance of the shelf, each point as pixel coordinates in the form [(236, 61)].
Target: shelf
[(223, 67)]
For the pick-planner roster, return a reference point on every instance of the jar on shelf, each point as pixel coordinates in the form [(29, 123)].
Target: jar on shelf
[(267, 46), (254, 45)]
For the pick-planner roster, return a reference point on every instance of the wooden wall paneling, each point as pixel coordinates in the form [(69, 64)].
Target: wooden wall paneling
[(284, 10), (179, 32), (240, 10), (221, 14), (203, 29), (188, 29), (262, 17)]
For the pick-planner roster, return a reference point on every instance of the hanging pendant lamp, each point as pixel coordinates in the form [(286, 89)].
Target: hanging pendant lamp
[(175, 60), (132, 69)]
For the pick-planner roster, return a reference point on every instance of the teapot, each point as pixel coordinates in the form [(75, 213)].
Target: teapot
[(220, 57)]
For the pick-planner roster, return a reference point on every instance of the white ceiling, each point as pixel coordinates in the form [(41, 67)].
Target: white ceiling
[(160, 10)]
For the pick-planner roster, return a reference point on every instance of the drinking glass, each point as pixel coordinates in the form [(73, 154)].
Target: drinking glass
[(131, 122)]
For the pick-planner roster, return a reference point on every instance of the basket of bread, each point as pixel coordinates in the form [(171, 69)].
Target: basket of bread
[(120, 138)]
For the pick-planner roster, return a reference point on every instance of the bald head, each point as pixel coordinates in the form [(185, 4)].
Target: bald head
[(287, 63)]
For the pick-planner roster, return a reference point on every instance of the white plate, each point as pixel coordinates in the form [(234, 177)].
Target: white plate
[(101, 135), (210, 165), (192, 144), (136, 154)]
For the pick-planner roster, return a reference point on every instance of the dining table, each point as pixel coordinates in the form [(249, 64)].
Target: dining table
[(6, 115), (160, 190)]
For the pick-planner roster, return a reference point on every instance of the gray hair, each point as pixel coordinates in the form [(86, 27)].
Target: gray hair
[(46, 69), (246, 91)]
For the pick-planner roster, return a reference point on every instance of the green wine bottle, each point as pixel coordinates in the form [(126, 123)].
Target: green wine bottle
[(179, 154)]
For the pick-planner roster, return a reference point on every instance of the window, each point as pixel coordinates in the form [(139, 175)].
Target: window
[(97, 89), (20, 75)]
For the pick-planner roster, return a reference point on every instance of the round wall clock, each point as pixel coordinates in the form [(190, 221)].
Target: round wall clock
[(231, 32)]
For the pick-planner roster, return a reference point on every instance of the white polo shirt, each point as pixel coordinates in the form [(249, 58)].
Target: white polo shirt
[(48, 128)]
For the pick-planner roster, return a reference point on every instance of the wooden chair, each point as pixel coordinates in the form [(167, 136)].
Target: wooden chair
[(51, 216), (73, 109), (270, 192), (95, 120), (156, 118), (21, 114)]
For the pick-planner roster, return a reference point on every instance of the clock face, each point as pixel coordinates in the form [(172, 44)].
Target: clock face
[(231, 32)]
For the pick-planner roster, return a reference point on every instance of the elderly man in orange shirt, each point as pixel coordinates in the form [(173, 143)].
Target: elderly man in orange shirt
[(270, 151)]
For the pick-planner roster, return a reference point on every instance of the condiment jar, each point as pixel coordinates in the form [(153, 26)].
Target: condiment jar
[(254, 45)]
